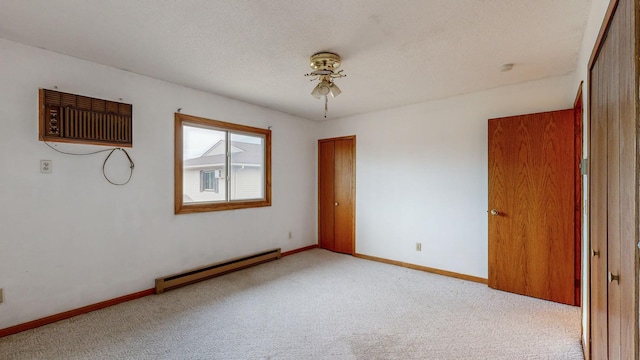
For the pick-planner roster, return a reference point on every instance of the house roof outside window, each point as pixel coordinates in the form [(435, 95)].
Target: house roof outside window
[(242, 153)]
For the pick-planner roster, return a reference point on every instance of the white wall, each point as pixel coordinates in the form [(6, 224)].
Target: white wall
[(421, 173), (69, 239)]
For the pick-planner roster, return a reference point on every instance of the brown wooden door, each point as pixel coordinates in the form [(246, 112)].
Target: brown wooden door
[(613, 187), (326, 194), (336, 194), (531, 205)]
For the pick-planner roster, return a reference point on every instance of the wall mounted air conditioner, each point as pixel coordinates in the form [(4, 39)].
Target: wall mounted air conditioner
[(80, 119)]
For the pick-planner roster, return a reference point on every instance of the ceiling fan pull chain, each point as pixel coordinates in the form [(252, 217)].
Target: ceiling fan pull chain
[(326, 106)]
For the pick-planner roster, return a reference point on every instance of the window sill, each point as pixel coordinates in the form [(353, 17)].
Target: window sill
[(206, 207)]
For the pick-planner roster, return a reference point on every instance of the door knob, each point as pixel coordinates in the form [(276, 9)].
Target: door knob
[(614, 277), (494, 212), (595, 253), (336, 204)]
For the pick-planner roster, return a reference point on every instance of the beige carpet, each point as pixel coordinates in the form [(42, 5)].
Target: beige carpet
[(315, 305)]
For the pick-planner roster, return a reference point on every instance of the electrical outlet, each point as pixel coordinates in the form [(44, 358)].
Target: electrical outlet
[(1, 296), (290, 235), (418, 246), (46, 166)]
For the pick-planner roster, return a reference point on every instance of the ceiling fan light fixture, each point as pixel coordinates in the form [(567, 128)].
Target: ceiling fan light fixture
[(316, 92), (324, 88), (325, 69), (335, 90)]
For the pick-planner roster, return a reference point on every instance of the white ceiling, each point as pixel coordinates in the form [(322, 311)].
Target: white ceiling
[(394, 52)]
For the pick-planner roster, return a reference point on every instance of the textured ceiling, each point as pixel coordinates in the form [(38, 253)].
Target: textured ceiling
[(394, 52)]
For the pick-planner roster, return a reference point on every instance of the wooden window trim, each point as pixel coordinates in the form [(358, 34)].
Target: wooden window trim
[(180, 206)]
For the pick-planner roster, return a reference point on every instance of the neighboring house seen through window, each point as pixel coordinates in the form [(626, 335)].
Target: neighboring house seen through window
[(220, 166)]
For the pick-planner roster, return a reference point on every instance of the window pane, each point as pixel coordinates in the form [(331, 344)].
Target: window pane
[(208, 177), (247, 167), (204, 169), (210, 180)]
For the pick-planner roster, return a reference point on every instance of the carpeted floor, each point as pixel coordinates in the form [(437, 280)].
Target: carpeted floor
[(315, 305)]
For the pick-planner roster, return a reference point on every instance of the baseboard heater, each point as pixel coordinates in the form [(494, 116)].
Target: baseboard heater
[(206, 272)]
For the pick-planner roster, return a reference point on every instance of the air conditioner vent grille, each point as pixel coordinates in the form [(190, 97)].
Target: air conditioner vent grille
[(80, 119)]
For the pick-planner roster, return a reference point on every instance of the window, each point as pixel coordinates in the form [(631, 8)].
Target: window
[(220, 166), (209, 180)]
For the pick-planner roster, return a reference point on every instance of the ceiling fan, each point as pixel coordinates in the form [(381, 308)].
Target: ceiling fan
[(324, 65)]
